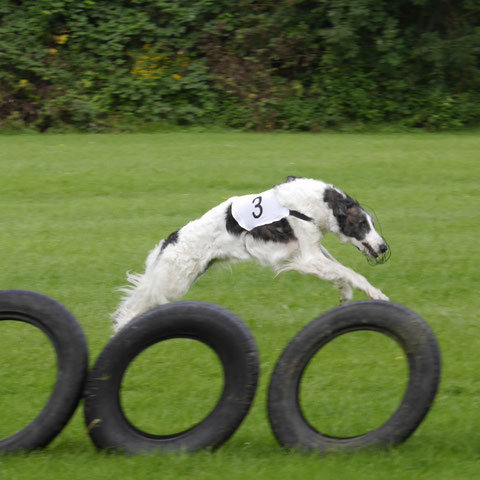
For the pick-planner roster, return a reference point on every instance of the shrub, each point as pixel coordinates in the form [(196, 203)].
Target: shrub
[(288, 64)]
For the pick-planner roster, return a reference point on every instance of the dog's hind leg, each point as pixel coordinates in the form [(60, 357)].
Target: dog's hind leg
[(166, 279)]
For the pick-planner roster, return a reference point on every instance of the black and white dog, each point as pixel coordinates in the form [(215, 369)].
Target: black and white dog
[(281, 228)]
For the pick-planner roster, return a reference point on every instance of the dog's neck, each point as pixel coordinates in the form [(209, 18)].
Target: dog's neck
[(306, 197)]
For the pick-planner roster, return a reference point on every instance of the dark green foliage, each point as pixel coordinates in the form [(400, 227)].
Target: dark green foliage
[(288, 64)]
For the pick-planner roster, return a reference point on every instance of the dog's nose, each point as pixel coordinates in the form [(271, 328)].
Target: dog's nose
[(383, 248)]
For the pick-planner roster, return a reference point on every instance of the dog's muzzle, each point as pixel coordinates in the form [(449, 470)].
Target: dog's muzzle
[(374, 258)]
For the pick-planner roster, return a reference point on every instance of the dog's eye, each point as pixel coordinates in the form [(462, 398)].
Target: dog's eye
[(364, 224)]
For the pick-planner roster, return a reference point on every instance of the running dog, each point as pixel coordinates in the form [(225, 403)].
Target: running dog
[(281, 228)]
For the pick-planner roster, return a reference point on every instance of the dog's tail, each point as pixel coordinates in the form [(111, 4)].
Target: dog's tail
[(128, 307), (138, 296)]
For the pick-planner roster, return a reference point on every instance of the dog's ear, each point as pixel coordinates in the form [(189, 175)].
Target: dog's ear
[(340, 203), (290, 178), (336, 201)]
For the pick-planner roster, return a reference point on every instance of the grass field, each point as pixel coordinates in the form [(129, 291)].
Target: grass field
[(77, 211)]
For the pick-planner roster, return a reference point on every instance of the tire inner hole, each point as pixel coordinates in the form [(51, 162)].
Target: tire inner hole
[(28, 373), (353, 384), (171, 386)]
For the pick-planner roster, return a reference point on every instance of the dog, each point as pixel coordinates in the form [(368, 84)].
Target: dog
[(281, 228)]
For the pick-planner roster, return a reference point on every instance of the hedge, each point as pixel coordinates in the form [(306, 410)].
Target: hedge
[(289, 64)]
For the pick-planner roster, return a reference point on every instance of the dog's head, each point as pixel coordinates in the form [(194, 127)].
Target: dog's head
[(354, 225)]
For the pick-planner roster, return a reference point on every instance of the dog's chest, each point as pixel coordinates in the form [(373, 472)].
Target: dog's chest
[(251, 211)]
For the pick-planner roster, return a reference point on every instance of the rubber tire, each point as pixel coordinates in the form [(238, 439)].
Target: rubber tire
[(71, 349), (398, 322), (211, 324)]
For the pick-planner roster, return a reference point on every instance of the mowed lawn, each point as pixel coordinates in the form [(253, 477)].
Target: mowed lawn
[(78, 211)]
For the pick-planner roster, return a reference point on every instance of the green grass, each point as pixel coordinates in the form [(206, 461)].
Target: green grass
[(77, 211)]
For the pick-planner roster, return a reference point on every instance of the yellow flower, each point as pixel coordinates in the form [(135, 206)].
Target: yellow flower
[(176, 76), (23, 83), (61, 39), (52, 51)]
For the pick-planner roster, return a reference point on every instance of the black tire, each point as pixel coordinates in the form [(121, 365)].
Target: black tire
[(398, 322), (70, 345), (211, 324)]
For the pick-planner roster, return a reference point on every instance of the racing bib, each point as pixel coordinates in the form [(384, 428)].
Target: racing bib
[(252, 211)]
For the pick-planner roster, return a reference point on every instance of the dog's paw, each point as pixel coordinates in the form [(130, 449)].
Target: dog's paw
[(378, 295)]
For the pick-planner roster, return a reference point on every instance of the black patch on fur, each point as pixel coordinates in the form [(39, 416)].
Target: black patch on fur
[(170, 240), (280, 232), (231, 224), (350, 216)]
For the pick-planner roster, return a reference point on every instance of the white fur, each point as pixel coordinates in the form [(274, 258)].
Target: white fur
[(170, 273)]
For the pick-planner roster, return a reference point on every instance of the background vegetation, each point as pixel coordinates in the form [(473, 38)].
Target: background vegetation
[(78, 211), (98, 65)]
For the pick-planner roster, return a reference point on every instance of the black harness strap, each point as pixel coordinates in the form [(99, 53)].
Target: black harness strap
[(301, 216)]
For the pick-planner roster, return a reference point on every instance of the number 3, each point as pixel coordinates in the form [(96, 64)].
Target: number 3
[(258, 206)]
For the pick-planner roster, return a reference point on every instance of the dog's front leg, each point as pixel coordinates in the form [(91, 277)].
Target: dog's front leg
[(344, 278), (346, 292)]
